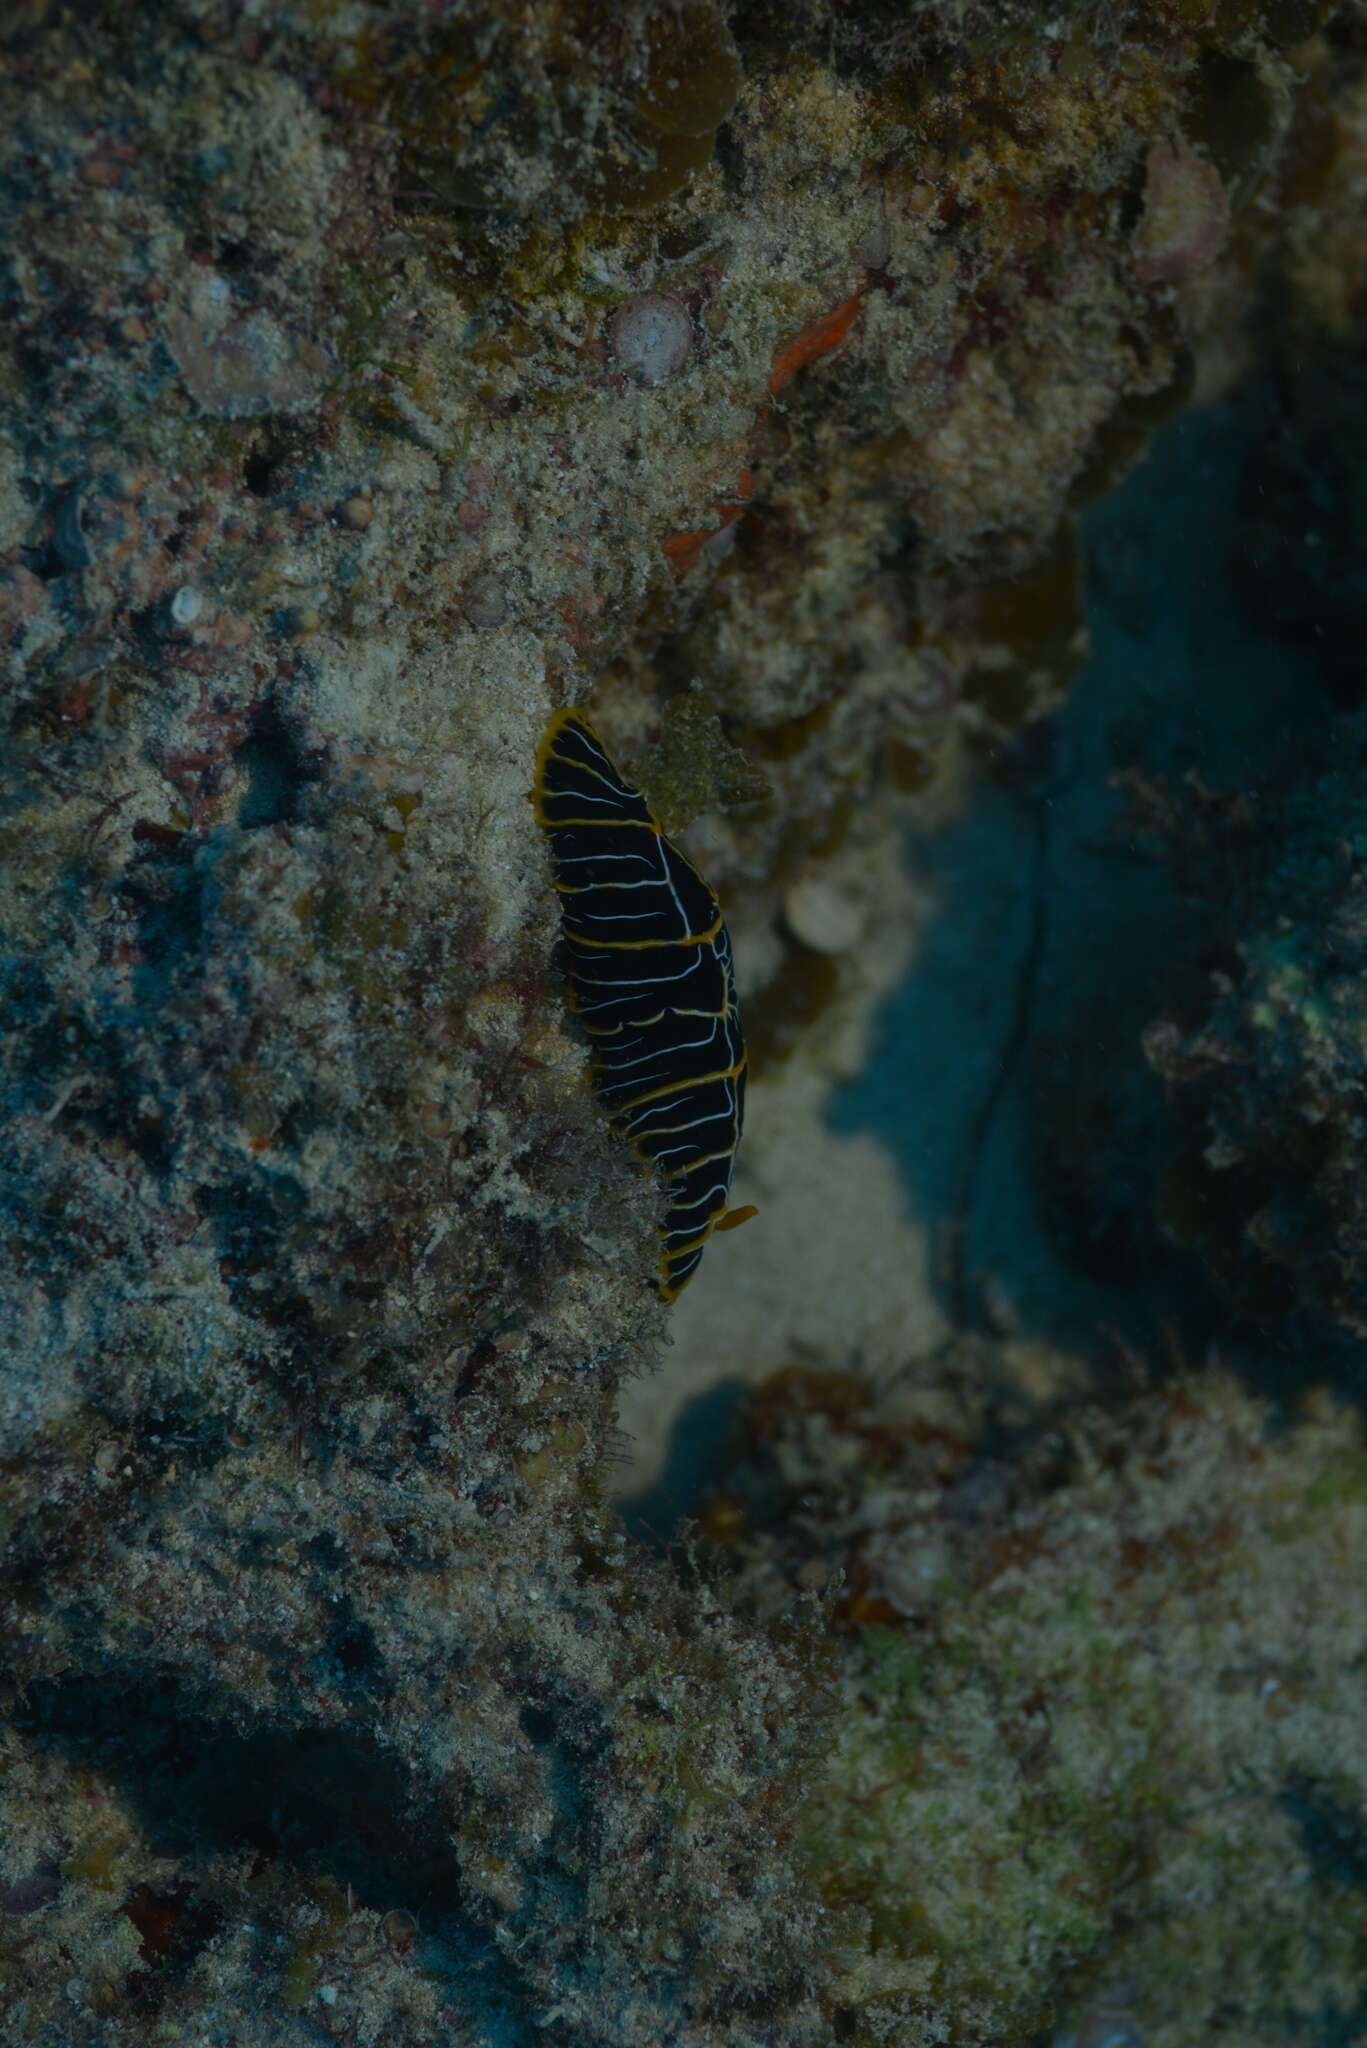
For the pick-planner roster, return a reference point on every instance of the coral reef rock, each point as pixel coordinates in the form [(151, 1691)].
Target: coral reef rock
[(374, 378), (1099, 1736)]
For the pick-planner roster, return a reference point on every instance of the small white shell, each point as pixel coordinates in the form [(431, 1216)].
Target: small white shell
[(651, 337), (823, 915)]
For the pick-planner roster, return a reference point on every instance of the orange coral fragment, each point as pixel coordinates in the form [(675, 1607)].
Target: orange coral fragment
[(682, 550), (815, 340)]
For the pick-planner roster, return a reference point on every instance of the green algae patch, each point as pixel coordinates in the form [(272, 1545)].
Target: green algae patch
[(1078, 1765), (695, 768)]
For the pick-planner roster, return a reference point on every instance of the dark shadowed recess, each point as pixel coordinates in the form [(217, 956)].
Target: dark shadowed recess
[(298, 1808), (277, 769), (690, 1466), (1008, 1074)]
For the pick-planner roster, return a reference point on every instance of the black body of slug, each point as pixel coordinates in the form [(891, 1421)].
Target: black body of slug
[(650, 980)]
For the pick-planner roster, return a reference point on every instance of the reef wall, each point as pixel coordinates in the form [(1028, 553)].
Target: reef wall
[(373, 379)]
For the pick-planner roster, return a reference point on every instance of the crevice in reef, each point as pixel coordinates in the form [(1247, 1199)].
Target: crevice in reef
[(278, 771), (328, 1800)]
